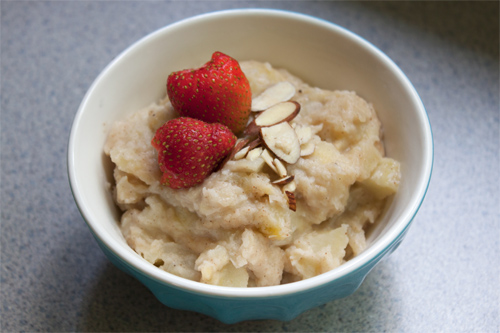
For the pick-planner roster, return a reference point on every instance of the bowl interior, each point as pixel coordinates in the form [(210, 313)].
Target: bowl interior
[(321, 53)]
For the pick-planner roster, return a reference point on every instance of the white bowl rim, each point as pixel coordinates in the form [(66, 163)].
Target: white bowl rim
[(389, 237)]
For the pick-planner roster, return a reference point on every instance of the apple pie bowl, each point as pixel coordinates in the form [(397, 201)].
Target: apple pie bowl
[(319, 52)]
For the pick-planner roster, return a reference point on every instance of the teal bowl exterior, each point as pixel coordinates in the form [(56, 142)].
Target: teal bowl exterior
[(231, 310)]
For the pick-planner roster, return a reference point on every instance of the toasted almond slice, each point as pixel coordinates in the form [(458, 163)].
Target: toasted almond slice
[(292, 204), (282, 140), (304, 133), (281, 112), (242, 153), (284, 111), (283, 181), (240, 143), (245, 165), (269, 159), (280, 167), (252, 129), (254, 153), (307, 149), (280, 92), (255, 143), (290, 187)]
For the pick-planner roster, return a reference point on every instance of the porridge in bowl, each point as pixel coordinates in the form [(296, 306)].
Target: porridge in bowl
[(272, 212)]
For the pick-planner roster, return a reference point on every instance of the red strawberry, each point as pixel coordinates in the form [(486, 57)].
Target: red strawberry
[(189, 150), (217, 92)]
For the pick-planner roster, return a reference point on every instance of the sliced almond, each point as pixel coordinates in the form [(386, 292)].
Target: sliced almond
[(307, 149), (292, 204), (268, 159), (290, 186), (255, 143), (254, 153), (242, 153), (304, 133), (280, 92), (284, 111), (281, 112), (245, 165), (252, 129), (240, 143), (283, 181), (282, 140), (280, 167)]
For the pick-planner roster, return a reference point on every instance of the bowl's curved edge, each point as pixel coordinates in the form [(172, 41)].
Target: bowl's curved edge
[(230, 310)]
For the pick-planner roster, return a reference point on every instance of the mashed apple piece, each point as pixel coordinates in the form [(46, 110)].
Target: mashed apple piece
[(236, 228)]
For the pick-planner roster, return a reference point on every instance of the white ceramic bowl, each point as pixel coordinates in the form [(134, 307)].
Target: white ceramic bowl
[(323, 54)]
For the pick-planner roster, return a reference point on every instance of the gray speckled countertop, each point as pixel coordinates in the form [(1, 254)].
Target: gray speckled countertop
[(444, 277)]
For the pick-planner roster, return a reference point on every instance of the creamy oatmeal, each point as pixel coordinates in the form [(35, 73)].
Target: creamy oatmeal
[(236, 228)]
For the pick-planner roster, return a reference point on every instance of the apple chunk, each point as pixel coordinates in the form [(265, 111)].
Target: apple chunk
[(282, 140)]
